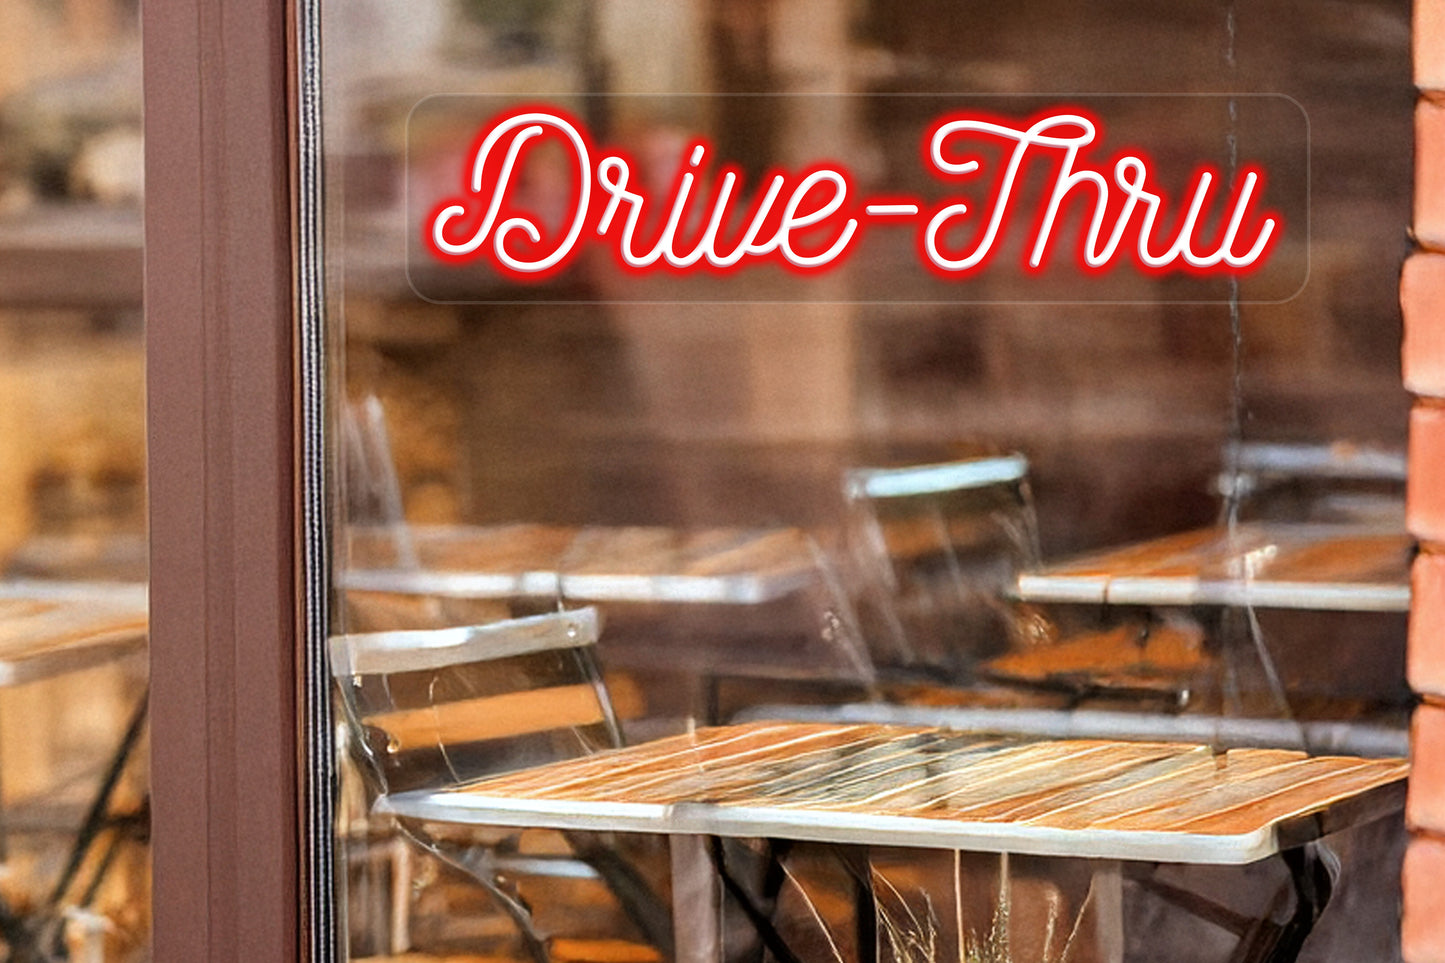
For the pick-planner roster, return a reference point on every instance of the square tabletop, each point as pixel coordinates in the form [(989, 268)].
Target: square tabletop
[(1294, 566), (937, 788), (643, 564), (49, 628)]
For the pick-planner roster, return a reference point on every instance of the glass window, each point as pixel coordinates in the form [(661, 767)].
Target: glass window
[(856, 480), (73, 616)]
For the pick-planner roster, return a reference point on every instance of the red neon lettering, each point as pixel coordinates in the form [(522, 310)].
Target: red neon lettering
[(808, 220), (1066, 135)]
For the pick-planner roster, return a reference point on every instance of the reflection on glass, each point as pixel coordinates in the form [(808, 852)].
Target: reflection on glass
[(73, 751), (1130, 508)]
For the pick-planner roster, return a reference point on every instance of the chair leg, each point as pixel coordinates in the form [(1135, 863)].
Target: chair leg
[(631, 890), (773, 875), (758, 917), (477, 869), (1108, 887), (98, 814), (865, 907), (627, 885)]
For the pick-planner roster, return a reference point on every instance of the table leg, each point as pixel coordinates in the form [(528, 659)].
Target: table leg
[(696, 901), (402, 875), (1108, 887), (1313, 869)]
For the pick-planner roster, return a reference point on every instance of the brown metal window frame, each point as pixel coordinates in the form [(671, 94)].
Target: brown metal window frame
[(240, 841)]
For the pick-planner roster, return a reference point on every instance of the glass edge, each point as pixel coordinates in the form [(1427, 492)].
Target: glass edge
[(319, 935)]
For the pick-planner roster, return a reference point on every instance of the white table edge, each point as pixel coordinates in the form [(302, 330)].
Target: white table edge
[(698, 589), (462, 807), (1166, 591), (98, 650)]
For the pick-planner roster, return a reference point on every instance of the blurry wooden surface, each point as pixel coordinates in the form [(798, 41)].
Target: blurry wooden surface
[(1128, 659), (623, 563), (41, 636), (926, 787)]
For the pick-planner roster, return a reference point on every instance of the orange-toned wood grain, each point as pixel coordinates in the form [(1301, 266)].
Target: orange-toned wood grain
[(490, 717), (1075, 785), (1279, 554)]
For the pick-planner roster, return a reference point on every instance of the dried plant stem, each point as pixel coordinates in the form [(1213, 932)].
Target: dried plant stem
[(812, 909), (915, 941), (958, 903), (1051, 927), (1067, 954)]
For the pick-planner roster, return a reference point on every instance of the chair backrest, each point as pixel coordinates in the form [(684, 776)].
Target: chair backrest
[(439, 707), (1338, 482), (935, 548), (373, 487)]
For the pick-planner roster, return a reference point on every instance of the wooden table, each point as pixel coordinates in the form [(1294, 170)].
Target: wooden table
[(47, 629), (51, 628), (1293, 566), (649, 564), (926, 787)]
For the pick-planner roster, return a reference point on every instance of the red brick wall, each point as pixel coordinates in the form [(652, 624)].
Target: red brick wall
[(1422, 299)]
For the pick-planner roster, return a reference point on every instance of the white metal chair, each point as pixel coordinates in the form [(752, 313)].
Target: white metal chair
[(438, 708), (934, 549)]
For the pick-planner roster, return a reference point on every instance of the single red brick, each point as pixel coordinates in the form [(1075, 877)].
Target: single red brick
[(1422, 930), (1425, 491), (1430, 174), (1429, 37), (1422, 302), (1427, 624), (1425, 808)]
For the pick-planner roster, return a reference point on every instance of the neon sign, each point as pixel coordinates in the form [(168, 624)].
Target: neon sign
[(812, 219)]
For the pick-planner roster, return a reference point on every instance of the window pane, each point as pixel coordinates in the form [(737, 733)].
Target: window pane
[(1017, 383)]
